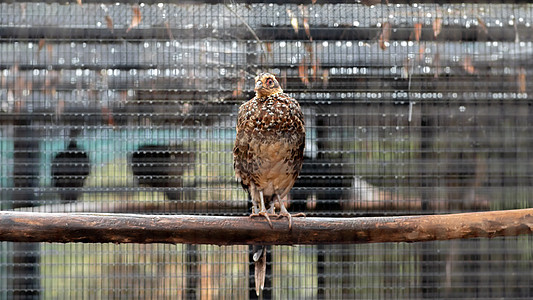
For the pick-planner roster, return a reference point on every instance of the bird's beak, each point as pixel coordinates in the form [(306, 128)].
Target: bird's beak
[(258, 85)]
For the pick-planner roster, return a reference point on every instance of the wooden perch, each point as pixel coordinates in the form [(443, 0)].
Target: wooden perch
[(130, 228)]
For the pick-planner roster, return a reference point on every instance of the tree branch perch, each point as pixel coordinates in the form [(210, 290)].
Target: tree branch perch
[(131, 228)]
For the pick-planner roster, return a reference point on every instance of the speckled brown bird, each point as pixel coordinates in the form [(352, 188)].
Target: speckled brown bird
[(268, 154)]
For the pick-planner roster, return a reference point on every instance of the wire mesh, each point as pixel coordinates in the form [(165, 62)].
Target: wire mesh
[(110, 106)]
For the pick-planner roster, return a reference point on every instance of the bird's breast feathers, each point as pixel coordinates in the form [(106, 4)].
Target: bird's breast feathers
[(270, 141), (277, 114)]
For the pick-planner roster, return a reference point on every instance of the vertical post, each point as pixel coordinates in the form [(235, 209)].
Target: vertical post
[(429, 257), (321, 249), (25, 283), (193, 271), (426, 156), (327, 201), (331, 201), (321, 271)]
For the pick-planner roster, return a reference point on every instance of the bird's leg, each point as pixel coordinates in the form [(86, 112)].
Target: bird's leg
[(254, 195), (285, 213), (272, 210), (263, 211), (255, 208)]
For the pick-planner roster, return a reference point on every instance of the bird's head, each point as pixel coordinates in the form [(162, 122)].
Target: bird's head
[(266, 85)]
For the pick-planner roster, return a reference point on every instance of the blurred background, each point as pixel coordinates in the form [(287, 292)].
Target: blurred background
[(126, 106)]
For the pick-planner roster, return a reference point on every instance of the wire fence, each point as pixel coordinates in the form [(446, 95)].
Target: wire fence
[(110, 106)]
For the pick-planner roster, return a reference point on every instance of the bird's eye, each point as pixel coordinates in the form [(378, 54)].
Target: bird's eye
[(270, 82)]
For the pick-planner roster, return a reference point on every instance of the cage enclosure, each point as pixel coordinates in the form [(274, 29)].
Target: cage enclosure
[(131, 107)]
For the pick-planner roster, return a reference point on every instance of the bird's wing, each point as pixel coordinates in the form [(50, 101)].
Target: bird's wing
[(241, 151), (244, 113)]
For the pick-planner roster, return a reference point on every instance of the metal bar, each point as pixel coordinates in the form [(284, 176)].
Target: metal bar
[(278, 33), (318, 2), (26, 256)]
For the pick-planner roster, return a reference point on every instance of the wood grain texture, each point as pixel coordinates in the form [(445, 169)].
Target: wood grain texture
[(131, 228)]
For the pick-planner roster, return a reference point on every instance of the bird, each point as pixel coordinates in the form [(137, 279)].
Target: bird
[(69, 170), (268, 155), (162, 166)]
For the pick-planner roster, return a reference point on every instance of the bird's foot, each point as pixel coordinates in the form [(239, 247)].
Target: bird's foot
[(265, 214), (285, 213), (289, 217), (298, 215)]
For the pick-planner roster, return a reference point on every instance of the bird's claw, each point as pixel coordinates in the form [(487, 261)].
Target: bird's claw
[(285, 213), (264, 214), (289, 217), (299, 215)]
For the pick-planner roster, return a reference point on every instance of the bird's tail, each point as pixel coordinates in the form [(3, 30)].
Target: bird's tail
[(260, 268)]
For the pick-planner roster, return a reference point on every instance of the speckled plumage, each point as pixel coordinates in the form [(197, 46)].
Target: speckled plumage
[(268, 154), (269, 146)]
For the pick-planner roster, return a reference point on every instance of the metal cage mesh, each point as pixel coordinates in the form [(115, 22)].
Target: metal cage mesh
[(110, 106)]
